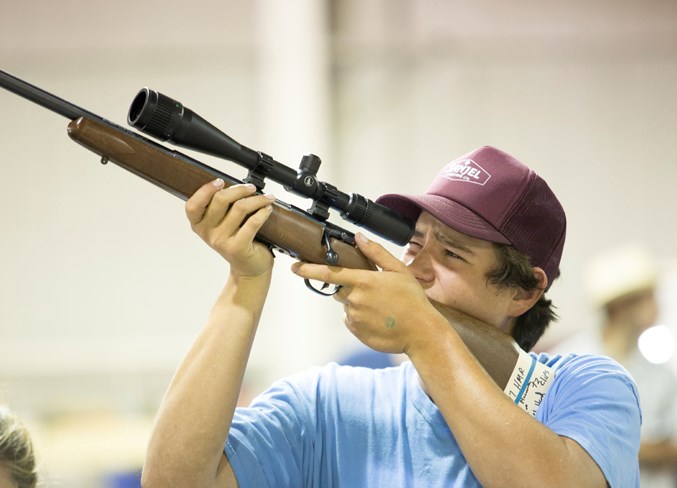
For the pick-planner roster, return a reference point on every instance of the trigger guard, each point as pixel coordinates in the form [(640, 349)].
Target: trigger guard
[(321, 290)]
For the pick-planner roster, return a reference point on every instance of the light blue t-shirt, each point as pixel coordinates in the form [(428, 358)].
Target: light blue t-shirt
[(341, 426)]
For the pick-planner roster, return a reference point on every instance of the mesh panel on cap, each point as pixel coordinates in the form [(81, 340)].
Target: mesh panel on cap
[(541, 240)]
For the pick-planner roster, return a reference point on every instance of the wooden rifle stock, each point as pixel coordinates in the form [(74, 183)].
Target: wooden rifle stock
[(289, 230)]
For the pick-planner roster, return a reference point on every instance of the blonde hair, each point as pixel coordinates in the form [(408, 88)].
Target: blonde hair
[(16, 450)]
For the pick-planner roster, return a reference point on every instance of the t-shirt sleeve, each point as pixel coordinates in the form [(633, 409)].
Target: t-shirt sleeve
[(594, 401), (269, 439)]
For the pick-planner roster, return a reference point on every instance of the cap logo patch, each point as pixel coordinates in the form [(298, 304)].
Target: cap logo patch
[(466, 170)]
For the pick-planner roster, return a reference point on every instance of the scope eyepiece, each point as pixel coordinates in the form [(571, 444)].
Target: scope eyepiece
[(379, 219)]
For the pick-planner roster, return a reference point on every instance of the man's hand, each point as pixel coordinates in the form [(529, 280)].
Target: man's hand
[(383, 309), (228, 219)]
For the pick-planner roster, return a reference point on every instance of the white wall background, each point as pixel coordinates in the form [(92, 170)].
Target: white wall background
[(102, 284)]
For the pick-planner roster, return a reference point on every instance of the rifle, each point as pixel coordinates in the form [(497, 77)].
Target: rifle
[(304, 235), (307, 236)]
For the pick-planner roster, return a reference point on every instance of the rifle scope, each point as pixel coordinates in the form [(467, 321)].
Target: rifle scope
[(166, 119)]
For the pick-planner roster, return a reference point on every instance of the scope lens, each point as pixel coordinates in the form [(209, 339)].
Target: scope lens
[(136, 109), (152, 112)]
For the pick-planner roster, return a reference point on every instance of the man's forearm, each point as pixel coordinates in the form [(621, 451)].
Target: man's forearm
[(196, 413)]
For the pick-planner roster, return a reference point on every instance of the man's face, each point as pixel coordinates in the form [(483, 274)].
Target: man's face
[(452, 268)]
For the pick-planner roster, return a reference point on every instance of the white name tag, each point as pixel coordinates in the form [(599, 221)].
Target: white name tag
[(529, 382)]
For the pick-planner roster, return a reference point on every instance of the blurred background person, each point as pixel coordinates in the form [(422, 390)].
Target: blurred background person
[(621, 284), (17, 458)]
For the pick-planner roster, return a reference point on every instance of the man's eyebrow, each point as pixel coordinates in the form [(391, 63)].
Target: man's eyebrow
[(453, 243)]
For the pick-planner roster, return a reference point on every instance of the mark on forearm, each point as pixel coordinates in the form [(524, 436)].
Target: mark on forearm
[(390, 322)]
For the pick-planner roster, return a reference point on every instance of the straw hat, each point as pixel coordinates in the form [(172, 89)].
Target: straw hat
[(619, 272)]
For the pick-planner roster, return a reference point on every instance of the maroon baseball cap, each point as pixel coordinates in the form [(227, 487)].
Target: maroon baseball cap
[(490, 195)]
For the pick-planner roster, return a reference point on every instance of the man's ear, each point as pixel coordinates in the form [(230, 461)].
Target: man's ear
[(525, 299)]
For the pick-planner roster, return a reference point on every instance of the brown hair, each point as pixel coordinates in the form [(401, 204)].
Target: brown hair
[(515, 270), (16, 450)]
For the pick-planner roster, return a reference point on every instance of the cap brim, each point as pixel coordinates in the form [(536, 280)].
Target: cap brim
[(447, 211)]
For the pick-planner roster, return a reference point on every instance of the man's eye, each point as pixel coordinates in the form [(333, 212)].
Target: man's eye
[(452, 254)]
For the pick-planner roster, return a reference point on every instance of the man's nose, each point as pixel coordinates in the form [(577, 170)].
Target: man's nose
[(421, 265)]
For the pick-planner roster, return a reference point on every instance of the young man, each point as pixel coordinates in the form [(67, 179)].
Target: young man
[(488, 241)]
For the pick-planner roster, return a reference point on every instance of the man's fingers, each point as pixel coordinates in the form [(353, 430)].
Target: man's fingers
[(378, 254), (197, 204), (236, 212), (350, 277), (250, 228), (212, 200), (237, 202), (326, 274)]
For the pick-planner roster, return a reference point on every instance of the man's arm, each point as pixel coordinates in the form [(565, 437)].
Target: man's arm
[(499, 440), (191, 427)]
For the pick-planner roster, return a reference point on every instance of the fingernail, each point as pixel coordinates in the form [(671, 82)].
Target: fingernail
[(218, 182), (250, 186), (361, 238), (270, 197)]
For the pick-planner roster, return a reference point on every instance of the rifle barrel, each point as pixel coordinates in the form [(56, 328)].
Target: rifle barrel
[(43, 98)]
